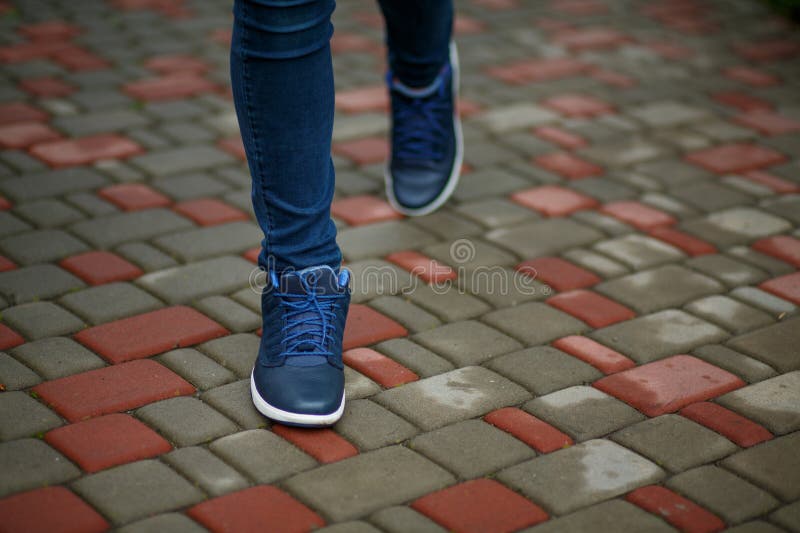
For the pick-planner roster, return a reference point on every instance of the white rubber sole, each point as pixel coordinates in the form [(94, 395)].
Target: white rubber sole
[(455, 174), (280, 415)]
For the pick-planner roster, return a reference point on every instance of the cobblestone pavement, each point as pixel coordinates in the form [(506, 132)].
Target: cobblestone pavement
[(598, 333)]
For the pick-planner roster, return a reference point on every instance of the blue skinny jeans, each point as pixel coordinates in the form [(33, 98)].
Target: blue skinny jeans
[(282, 80)]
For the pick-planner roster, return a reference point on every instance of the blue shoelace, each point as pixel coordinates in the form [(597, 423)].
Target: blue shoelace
[(420, 125), (310, 320)]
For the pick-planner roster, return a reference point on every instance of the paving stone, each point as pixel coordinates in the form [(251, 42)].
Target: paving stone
[(422, 361), (364, 476), (534, 323), (773, 403), (146, 256), (91, 204), (736, 226), (41, 246), (722, 493), (471, 448), (175, 522), (47, 509), (624, 152), (606, 517), (487, 182), (56, 357), (198, 279), (776, 307), (234, 401), (586, 473), (205, 469), (231, 238), (665, 286), (773, 465), (196, 368), (710, 196), (235, 352), (773, 344), (727, 270), (788, 516), (181, 160), (639, 251), (728, 313), (544, 369), (747, 368), (450, 304), (186, 421), (495, 212), (600, 264), (467, 343), (48, 213), (667, 114), (470, 255), (504, 287), (378, 240), (412, 317), (30, 463), (106, 303), (137, 490), (450, 397), (191, 186), (9, 224), (583, 412), (357, 385), (375, 278), (262, 455), (37, 320), (515, 116), (370, 426), (112, 230), (354, 526), (100, 122), (399, 518), (14, 375), (51, 183), (22, 416), (539, 238)]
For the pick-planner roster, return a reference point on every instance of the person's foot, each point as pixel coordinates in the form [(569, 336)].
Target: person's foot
[(298, 378), (427, 145)]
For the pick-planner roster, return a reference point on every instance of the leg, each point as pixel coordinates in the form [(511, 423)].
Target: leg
[(282, 82)]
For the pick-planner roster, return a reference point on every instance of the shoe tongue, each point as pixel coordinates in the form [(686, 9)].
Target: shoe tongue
[(417, 92)]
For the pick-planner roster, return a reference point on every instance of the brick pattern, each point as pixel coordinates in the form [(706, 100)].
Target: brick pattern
[(324, 445), (675, 509), (536, 433)]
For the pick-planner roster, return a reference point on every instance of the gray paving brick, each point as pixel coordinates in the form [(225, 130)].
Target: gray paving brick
[(731, 314), (233, 400), (36, 320), (447, 225), (495, 212), (190, 186), (785, 206), (724, 494), (534, 323), (52, 183), (186, 283), (205, 469), (173, 522), (186, 421), (234, 316), (466, 343), (373, 278), (487, 182), (236, 352), (399, 518), (450, 397), (181, 159), (582, 475), (773, 465), (22, 416), (30, 464), (261, 455), (196, 368), (749, 369), (774, 345), (412, 317), (665, 286), (378, 240), (788, 516), (48, 213), (357, 385), (773, 403), (599, 264), (755, 526), (105, 303), (543, 369), (136, 490), (539, 238), (14, 375), (623, 152), (605, 223), (353, 526), (515, 116), (147, 257), (370, 426), (422, 361), (104, 121), (776, 307), (650, 337), (109, 231), (737, 225), (41, 246), (606, 517), (448, 303), (583, 412), (639, 251), (10, 224), (56, 357), (356, 486), (665, 113), (471, 448), (199, 243), (727, 270), (709, 196)]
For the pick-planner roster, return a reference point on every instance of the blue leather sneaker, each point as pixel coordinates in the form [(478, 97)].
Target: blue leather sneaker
[(427, 145), (298, 378)]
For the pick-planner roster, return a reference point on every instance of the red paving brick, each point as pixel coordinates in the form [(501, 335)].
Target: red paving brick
[(690, 244), (638, 215), (429, 270), (478, 506), (5, 204), (169, 87), (768, 122), (379, 368), (254, 510), (535, 70), (233, 146), (464, 25), (362, 99), (46, 87), (670, 50), (6, 264), (150, 333), (735, 427), (778, 185), (735, 157), (97, 268), (50, 30), (614, 79), (9, 338), (751, 76), (364, 151), (78, 59), (343, 42), (579, 8), (601, 357), (578, 106), (558, 273), (590, 39), (771, 50), (594, 309), (15, 112), (536, 433), (209, 211), (28, 51), (783, 247), (172, 63), (742, 101), (568, 165), (366, 326), (133, 196), (363, 209), (112, 389), (553, 200), (21, 135), (72, 152), (49, 510), (786, 287), (252, 254), (323, 444), (562, 138), (107, 441), (667, 385), (675, 509)]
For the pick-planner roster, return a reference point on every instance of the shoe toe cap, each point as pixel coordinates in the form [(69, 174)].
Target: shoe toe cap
[(308, 390), (415, 188)]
